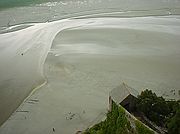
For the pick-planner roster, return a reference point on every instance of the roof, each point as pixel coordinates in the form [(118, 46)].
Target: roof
[(119, 93)]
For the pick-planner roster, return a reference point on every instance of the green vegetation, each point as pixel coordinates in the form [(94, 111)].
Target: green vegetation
[(174, 123), (117, 123), (157, 109), (141, 129)]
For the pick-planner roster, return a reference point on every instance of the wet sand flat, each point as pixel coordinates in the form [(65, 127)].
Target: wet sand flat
[(87, 59)]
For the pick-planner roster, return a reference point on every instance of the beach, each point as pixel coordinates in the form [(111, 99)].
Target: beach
[(76, 62)]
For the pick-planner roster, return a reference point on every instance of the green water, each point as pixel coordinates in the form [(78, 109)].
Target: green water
[(17, 3)]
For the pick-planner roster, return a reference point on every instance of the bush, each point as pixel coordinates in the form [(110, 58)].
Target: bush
[(155, 108), (163, 113), (174, 124)]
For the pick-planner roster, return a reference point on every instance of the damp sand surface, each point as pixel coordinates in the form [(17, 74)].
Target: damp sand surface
[(87, 58)]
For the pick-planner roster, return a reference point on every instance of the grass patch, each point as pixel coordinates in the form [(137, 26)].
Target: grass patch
[(115, 123), (142, 129)]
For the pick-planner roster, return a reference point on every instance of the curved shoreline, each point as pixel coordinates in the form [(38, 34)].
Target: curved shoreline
[(73, 65)]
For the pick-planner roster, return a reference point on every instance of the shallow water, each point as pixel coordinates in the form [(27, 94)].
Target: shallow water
[(4, 4), (26, 11)]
